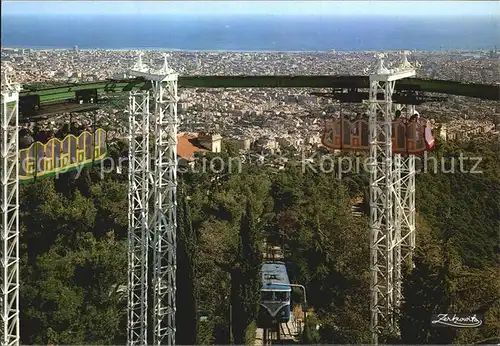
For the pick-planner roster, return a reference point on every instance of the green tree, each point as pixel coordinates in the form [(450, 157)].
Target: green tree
[(73, 272), (310, 335), (186, 320), (245, 278), (75, 294)]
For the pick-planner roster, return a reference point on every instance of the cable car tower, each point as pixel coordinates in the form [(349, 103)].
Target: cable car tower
[(392, 198), (158, 234), (9, 204)]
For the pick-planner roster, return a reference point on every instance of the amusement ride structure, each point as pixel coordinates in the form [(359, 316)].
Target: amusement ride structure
[(9, 201), (159, 234), (152, 190), (392, 183)]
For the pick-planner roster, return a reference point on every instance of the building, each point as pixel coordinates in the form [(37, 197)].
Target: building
[(190, 143), (187, 146), (211, 141), (242, 143), (266, 144), (464, 130)]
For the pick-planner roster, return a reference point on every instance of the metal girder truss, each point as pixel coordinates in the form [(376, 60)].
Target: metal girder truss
[(9, 204), (404, 220), (398, 218), (386, 186), (381, 206), (138, 234), (162, 231), (407, 198), (165, 205), (406, 201)]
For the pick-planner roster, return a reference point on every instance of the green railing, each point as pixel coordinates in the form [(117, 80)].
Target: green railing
[(481, 91)]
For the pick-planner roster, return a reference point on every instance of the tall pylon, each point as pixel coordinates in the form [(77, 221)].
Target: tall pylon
[(165, 204), (385, 232), (138, 202), (9, 204), (162, 230), (405, 213)]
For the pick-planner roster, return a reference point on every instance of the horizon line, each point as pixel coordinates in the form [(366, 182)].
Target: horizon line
[(198, 15)]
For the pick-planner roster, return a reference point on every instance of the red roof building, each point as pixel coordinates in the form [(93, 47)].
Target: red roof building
[(188, 145)]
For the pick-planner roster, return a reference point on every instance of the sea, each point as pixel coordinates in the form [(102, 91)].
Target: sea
[(250, 33)]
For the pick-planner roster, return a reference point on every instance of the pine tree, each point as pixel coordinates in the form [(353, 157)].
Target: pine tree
[(245, 278), (252, 261), (186, 320)]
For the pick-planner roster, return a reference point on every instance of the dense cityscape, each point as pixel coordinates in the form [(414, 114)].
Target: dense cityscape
[(266, 116), (165, 197)]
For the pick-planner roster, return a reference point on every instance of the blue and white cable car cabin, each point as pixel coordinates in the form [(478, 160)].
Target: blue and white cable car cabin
[(275, 295)]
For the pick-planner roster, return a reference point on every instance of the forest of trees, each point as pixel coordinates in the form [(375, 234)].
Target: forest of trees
[(74, 261)]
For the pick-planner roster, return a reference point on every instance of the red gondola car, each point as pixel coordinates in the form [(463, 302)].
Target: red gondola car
[(409, 137)]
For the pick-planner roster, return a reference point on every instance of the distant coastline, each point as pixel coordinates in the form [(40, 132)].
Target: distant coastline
[(252, 34), (465, 51)]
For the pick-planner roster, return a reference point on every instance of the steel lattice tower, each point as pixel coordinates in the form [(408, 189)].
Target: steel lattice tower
[(165, 207), (138, 201), (162, 232), (385, 198), (405, 212), (9, 204), (407, 201), (408, 226)]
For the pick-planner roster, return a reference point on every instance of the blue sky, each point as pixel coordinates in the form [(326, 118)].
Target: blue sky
[(395, 8)]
